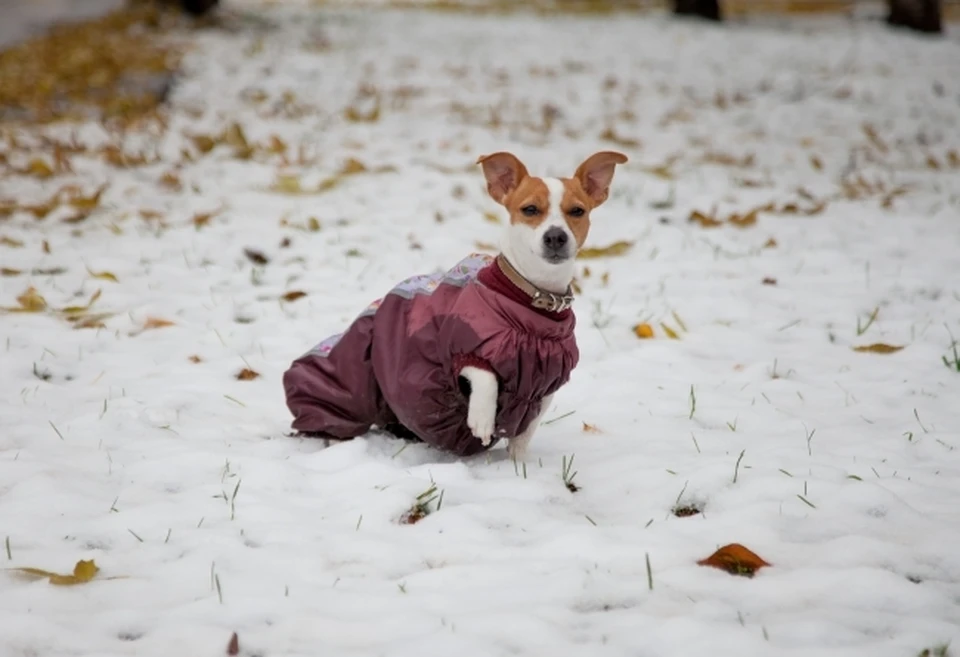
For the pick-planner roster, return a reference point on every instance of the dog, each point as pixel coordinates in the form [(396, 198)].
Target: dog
[(464, 358)]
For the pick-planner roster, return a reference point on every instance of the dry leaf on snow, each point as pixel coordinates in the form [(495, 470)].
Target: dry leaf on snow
[(256, 257), (735, 559), (103, 275), (9, 241), (616, 249), (878, 348), (155, 323), (30, 302), (233, 647), (83, 572), (195, 359), (643, 331), (246, 374), (293, 295), (591, 428)]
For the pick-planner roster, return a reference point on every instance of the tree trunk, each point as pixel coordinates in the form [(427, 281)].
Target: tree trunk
[(922, 15), (709, 9)]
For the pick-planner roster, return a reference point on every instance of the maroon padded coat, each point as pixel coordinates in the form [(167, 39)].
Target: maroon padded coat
[(399, 361)]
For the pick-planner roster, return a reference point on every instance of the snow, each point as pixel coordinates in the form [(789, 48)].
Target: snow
[(180, 480)]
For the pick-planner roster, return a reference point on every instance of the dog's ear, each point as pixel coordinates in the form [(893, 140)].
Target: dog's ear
[(596, 174), (503, 172)]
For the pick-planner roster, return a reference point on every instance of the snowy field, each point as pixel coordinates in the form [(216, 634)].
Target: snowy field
[(133, 443)]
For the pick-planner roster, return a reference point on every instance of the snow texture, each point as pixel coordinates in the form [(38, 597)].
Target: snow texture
[(180, 479)]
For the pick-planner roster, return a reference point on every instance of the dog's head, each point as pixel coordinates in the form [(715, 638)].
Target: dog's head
[(549, 217)]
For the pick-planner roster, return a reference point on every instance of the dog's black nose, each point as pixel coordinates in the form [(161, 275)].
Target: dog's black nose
[(555, 239)]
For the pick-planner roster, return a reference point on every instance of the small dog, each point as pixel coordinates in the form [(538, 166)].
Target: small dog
[(464, 358)]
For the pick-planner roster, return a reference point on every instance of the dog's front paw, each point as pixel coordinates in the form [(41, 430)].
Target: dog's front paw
[(481, 418)]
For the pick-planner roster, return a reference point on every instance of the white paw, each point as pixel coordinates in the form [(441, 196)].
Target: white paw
[(481, 418)]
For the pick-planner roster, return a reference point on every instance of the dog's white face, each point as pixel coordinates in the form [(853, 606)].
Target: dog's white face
[(549, 217)]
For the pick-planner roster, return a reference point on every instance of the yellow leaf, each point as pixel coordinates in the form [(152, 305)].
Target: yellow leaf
[(355, 115), (878, 348), (485, 246), (103, 275), (615, 249), (287, 183), (293, 295), (491, 217), (88, 203), (30, 302), (643, 331), (6, 271), (676, 318), (12, 243), (669, 331), (745, 220), (83, 572), (79, 310), (352, 166), (313, 225), (39, 168)]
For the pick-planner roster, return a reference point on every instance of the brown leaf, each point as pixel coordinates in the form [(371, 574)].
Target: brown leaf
[(643, 331), (616, 249), (769, 281), (170, 180), (591, 428), (195, 359), (88, 203), (246, 374), (156, 322), (874, 137), (770, 243), (83, 572), (256, 257), (30, 302), (491, 217), (9, 241), (38, 168), (704, 220), (6, 271), (816, 163), (735, 559), (203, 143), (932, 163), (745, 220), (233, 647), (293, 295), (313, 225), (626, 142), (202, 219), (46, 246), (878, 348)]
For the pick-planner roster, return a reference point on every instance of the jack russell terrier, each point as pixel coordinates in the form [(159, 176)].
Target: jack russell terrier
[(466, 357)]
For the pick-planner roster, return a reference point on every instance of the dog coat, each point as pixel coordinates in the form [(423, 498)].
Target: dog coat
[(399, 361)]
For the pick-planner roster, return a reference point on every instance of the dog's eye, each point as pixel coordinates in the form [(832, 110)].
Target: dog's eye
[(576, 212), (530, 210)]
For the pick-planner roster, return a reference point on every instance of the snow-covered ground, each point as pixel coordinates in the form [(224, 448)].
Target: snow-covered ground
[(140, 449)]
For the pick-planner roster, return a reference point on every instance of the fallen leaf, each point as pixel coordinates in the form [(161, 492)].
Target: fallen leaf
[(202, 219), (735, 559), (769, 281), (89, 321), (491, 217), (156, 322), (874, 137), (49, 271), (171, 180), (204, 143), (256, 257), (195, 359), (878, 348), (88, 203), (37, 168), (103, 275), (643, 331), (744, 220), (627, 142), (12, 243), (954, 159), (816, 163), (293, 295), (79, 310), (932, 163), (246, 374), (704, 220), (313, 225), (591, 428), (83, 572), (30, 302), (485, 246), (6, 271), (770, 243), (669, 331), (233, 647), (285, 243), (287, 183), (616, 249), (605, 278)]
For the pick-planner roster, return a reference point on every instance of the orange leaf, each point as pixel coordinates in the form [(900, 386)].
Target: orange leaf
[(744, 220), (246, 374), (735, 559), (195, 359), (83, 572), (643, 331), (156, 322), (704, 220)]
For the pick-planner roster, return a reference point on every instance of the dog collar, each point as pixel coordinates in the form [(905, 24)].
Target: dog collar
[(539, 298)]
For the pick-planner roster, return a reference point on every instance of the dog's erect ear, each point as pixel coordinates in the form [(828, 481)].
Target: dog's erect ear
[(596, 174), (503, 172)]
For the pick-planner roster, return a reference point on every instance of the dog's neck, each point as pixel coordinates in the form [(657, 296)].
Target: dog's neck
[(539, 299), (552, 278)]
